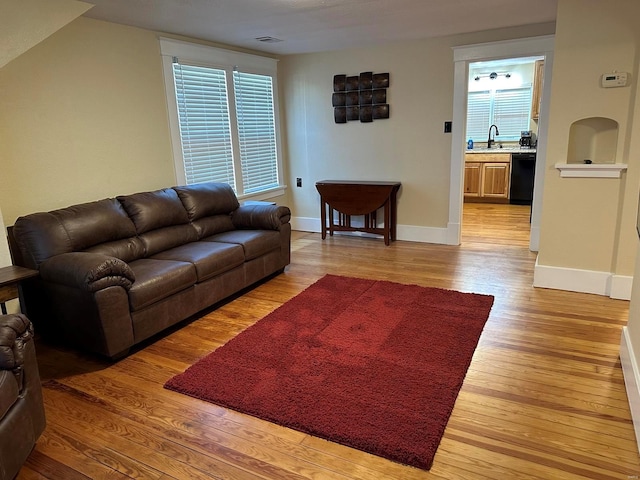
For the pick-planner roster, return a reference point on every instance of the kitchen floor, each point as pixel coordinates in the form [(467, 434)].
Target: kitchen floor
[(496, 223)]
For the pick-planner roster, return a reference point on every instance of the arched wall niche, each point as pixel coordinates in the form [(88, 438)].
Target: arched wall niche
[(594, 139)]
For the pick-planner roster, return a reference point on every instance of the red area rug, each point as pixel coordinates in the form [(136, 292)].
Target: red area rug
[(373, 365)]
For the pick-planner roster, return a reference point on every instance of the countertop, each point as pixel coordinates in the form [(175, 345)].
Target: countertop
[(498, 150)]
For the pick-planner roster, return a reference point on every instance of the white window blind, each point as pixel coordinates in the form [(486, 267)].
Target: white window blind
[(203, 114), (256, 131), (509, 109), (478, 115), (512, 110)]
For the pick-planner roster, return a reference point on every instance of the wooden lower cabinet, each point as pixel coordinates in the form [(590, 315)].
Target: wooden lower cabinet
[(472, 174), (495, 180), (487, 181)]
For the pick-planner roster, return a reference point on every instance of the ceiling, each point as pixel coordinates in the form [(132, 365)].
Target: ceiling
[(304, 26)]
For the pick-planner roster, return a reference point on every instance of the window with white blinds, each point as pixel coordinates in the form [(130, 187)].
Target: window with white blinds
[(256, 131), (223, 117), (203, 114), (508, 109)]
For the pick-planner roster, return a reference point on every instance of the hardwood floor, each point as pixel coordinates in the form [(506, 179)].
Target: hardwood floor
[(496, 223), (543, 399)]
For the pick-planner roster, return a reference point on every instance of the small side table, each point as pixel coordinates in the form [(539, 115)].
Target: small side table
[(10, 278), (353, 197)]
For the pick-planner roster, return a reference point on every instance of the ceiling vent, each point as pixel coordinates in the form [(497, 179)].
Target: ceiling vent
[(268, 39)]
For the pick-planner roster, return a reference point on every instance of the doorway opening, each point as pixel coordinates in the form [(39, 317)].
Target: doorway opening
[(502, 115), (499, 53)]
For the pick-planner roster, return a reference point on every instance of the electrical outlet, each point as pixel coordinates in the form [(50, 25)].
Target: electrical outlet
[(298, 182)]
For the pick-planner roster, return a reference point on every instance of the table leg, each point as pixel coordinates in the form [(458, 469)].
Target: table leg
[(387, 222), (323, 218), (331, 217), (394, 215)]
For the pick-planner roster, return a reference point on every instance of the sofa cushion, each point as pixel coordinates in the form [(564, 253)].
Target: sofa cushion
[(9, 391), (162, 239), (152, 210), (208, 226), (206, 199), (158, 279), (92, 223), (79, 227), (254, 242), (209, 258)]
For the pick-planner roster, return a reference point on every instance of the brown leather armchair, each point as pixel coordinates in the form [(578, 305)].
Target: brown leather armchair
[(21, 408)]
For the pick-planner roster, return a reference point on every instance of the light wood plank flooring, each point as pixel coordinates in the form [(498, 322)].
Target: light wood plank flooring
[(543, 399)]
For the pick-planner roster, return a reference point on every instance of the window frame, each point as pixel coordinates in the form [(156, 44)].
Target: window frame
[(227, 60)]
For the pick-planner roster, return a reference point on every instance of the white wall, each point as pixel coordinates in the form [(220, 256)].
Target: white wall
[(25, 23), (409, 147), (83, 117)]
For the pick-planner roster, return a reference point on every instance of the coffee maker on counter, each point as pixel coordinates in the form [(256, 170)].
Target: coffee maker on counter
[(527, 139)]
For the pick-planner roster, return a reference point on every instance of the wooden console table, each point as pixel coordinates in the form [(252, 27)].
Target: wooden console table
[(10, 278), (350, 198)]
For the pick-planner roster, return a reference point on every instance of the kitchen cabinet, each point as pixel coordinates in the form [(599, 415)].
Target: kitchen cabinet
[(537, 89), (495, 180), (472, 173), (486, 177)]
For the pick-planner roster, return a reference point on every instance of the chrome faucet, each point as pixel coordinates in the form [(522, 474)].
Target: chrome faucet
[(491, 141)]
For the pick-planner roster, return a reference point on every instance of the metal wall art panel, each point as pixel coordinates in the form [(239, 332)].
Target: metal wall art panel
[(360, 97)]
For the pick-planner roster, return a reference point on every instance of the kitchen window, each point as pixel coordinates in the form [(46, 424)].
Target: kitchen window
[(509, 109), (223, 118)]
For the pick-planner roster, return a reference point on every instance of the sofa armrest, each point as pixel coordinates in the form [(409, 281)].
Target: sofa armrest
[(15, 331), (263, 217), (89, 272)]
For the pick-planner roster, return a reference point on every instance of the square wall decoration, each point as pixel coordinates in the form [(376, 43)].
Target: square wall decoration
[(362, 97)]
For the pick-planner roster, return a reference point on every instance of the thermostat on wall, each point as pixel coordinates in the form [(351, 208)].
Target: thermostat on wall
[(614, 79)]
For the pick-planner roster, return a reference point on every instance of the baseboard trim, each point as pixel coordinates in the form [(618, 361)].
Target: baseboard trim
[(621, 287), (410, 233), (454, 231), (631, 380), (305, 224), (583, 281), (534, 239), (571, 279)]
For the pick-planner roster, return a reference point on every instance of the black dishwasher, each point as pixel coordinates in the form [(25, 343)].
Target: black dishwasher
[(523, 170)]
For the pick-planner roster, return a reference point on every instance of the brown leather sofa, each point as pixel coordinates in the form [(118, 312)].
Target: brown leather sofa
[(117, 271), (21, 408)]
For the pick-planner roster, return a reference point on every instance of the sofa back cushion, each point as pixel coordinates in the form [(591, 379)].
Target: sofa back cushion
[(165, 238), (207, 199), (160, 219), (153, 210), (208, 226), (40, 236)]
